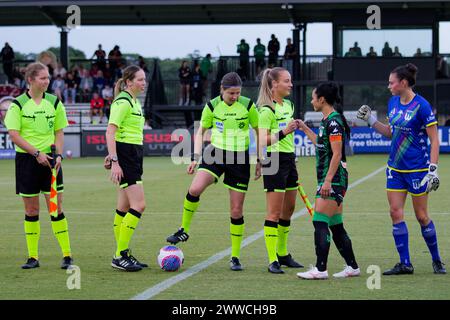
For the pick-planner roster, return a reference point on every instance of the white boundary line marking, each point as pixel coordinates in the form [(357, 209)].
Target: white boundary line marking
[(164, 285)]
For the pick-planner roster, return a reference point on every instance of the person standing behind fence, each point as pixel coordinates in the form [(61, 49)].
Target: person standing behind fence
[(273, 48), (259, 51), (243, 49), (290, 54), (205, 71), (184, 74), (7, 55)]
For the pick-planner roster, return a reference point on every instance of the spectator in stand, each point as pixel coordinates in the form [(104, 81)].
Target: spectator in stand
[(205, 70), (142, 64), (114, 57), (7, 55), (100, 57), (60, 70), (243, 49), (108, 76), (290, 54), (357, 50), (387, 51), (97, 105), (58, 86), (108, 97), (184, 74), (273, 48), (4, 106), (396, 53), (442, 68), (418, 53), (350, 53), (99, 82), (70, 89), (372, 53), (197, 87), (259, 51), (85, 86)]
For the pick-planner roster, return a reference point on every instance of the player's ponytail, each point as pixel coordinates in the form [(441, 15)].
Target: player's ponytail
[(330, 92), (408, 72), (265, 97), (128, 74)]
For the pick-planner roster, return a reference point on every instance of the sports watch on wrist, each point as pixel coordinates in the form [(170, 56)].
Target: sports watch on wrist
[(114, 159), (36, 154)]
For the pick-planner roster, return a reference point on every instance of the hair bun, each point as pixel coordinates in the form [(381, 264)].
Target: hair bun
[(412, 68)]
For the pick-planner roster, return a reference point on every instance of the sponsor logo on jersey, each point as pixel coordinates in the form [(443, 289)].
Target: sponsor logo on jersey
[(219, 126), (282, 125), (333, 123), (335, 130)]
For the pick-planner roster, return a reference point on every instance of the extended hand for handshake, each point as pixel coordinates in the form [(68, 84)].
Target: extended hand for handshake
[(294, 125)]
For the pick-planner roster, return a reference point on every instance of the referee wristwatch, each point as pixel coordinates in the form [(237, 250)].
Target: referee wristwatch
[(36, 153), (114, 159), (59, 155)]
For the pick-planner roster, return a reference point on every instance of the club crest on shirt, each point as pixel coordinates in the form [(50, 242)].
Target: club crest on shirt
[(409, 115), (416, 184), (320, 131)]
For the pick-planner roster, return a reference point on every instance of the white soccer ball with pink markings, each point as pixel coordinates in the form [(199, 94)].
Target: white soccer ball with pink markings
[(170, 258)]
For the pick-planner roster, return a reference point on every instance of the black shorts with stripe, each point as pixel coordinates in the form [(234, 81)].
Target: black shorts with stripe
[(33, 178), (279, 172), (131, 157), (235, 166)]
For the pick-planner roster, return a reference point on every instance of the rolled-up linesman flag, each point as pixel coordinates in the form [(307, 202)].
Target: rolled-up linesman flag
[(53, 192), (305, 199)]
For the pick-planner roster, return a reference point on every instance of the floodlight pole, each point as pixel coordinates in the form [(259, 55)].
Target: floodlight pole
[(64, 47)]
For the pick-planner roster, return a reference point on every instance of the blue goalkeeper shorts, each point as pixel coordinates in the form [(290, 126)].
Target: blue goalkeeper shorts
[(406, 182)]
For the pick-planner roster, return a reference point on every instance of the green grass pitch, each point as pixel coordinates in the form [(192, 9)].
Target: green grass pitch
[(89, 205)]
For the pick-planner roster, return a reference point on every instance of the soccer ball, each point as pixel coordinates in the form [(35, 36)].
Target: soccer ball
[(69, 154), (170, 258)]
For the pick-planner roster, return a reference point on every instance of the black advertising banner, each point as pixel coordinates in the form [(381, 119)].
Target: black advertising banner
[(156, 142)]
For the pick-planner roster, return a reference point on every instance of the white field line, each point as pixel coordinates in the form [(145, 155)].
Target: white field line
[(164, 285)]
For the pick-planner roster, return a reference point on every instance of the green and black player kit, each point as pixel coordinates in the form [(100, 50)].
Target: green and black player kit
[(282, 153), (331, 129), (37, 125), (228, 152), (126, 114)]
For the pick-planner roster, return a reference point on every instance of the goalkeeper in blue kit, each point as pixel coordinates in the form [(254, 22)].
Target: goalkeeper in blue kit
[(412, 165)]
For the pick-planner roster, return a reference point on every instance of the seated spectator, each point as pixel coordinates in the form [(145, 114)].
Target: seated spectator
[(70, 89), (372, 53), (60, 70), (418, 53), (396, 53), (387, 51), (99, 82), (97, 104), (108, 76), (108, 96), (58, 86), (86, 84)]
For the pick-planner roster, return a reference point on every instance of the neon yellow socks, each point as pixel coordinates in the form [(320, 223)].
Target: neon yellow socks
[(190, 206), (32, 233), (271, 239), (117, 224), (283, 233), (61, 232), (129, 224), (237, 233)]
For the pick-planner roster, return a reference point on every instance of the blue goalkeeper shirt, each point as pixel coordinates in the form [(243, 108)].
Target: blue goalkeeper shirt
[(410, 151)]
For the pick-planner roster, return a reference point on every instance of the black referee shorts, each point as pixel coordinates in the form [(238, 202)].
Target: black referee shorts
[(279, 172), (33, 178), (235, 166), (130, 158)]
